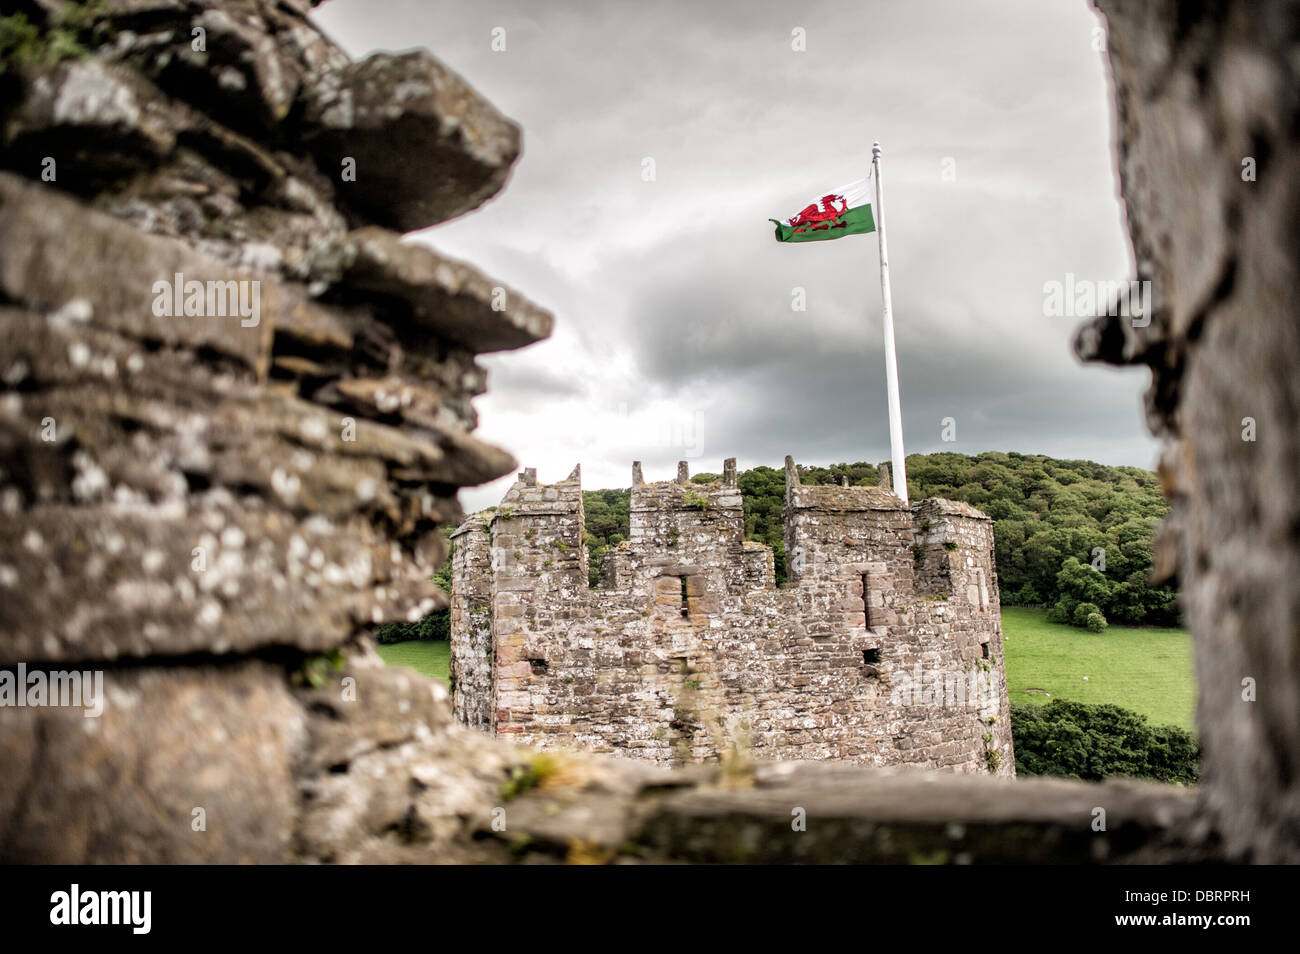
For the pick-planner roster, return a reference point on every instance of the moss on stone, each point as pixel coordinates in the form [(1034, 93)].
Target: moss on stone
[(530, 775), (23, 43)]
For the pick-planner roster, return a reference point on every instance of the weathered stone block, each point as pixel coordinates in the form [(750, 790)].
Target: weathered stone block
[(426, 147), (448, 297), (186, 765)]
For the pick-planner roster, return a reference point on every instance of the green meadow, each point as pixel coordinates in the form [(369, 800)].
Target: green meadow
[(426, 656), (1148, 670)]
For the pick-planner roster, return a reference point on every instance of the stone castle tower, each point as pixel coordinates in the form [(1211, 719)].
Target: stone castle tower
[(884, 646)]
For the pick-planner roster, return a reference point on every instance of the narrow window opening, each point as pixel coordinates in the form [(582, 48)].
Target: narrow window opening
[(866, 599), (984, 650), (538, 667), (686, 606), (871, 657)]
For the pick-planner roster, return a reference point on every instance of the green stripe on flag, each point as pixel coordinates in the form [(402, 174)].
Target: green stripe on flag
[(857, 221)]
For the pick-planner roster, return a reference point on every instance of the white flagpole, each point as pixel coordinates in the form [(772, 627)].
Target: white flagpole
[(891, 361)]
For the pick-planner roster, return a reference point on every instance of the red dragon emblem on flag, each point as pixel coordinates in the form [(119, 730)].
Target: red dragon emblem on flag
[(827, 216)]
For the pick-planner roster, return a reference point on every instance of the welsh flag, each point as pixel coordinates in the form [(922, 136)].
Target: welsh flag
[(840, 212)]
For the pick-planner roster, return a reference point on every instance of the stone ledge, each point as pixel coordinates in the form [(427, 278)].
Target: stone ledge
[(427, 147), (447, 297), (744, 814)]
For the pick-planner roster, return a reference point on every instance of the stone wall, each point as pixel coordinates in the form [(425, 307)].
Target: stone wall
[(472, 652), (214, 510), (884, 648), (1207, 99)]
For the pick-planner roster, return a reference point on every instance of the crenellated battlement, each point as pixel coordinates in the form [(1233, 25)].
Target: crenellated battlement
[(688, 646)]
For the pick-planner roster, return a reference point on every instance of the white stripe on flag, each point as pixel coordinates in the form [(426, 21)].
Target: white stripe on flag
[(856, 193)]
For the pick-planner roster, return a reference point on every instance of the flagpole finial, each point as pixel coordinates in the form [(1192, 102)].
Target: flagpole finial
[(875, 149)]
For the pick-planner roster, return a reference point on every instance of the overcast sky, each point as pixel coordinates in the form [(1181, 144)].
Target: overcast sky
[(675, 335)]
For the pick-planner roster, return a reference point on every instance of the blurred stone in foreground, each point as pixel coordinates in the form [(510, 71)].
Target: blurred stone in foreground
[(1207, 108)]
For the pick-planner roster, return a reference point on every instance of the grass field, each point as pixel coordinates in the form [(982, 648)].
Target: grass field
[(424, 656), (1147, 670)]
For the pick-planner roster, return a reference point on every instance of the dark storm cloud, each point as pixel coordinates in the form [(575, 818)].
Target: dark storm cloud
[(675, 335)]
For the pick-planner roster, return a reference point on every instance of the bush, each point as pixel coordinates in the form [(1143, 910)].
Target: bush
[(1093, 742), (1062, 612), (1027, 595), (1079, 617), (1173, 754), (1071, 612), (437, 625)]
